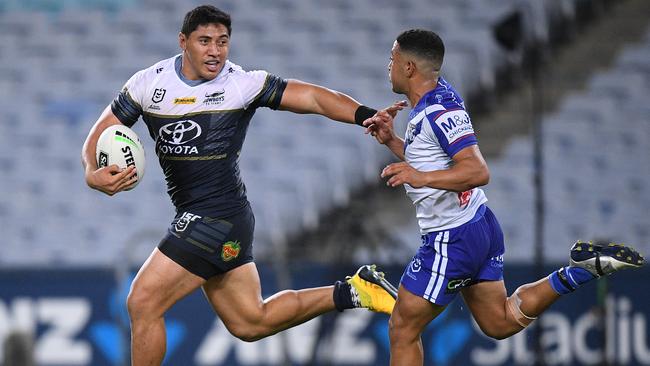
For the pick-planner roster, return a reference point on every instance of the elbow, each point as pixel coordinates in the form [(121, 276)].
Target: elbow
[(479, 178), (483, 177)]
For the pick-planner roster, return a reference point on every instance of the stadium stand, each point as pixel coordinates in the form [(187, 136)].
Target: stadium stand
[(297, 168)]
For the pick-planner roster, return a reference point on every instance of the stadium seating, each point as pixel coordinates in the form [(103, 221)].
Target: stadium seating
[(596, 165), (296, 168)]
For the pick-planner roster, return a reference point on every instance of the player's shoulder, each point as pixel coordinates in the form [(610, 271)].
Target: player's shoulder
[(238, 72), (249, 81), (154, 71), (159, 68)]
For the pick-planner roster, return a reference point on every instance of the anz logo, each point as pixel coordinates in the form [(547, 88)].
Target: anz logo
[(172, 135)]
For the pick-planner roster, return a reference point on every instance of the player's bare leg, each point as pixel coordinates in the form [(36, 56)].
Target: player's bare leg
[(159, 284), (411, 315), (236, 297), (488, 303), (500, 316)]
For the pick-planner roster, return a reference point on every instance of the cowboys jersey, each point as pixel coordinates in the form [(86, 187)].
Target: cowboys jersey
[(438, 128), (198, 127)]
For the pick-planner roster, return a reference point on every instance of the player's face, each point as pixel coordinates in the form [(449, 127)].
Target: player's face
[(394, 69), (205, 51)]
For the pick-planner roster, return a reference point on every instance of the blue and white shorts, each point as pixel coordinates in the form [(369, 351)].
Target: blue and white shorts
[(450, 260)]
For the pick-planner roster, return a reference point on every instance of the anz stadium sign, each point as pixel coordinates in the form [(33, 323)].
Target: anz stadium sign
[(79, 318)]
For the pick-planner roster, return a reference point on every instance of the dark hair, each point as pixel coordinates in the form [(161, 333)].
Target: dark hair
[(422, 43), (204, 15)]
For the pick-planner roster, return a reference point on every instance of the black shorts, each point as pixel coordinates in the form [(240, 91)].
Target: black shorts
[(208, 246)]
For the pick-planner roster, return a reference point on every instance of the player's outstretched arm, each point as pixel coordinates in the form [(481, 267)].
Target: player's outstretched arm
[(468, 171), (302, 97), (110, 179)]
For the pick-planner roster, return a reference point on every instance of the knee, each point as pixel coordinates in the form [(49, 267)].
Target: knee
[(398, 328), (499, 328), (249, 327), (248, 332), (496, 332), (139, 304)]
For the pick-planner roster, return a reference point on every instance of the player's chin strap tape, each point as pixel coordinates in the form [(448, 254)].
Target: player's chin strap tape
[(514, 303), (362, 114)]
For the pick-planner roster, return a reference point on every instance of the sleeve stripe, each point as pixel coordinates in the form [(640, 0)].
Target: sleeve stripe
[(445, 111), (126, 109), (462, 138)]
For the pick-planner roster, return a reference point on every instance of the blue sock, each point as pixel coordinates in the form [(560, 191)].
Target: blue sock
[(568, 279)]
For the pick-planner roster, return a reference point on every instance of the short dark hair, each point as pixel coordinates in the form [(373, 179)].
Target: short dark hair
[(423, 43), (204, 15)]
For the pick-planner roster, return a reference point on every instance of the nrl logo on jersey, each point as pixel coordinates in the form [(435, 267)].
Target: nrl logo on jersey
[(214, 98), (158, 95)]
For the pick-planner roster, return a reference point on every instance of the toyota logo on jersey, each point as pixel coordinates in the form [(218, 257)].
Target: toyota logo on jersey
[(179, 133)]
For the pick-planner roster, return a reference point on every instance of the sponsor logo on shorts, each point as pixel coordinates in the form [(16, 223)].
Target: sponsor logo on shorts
[(185, 100), (456, 284), (497, 261), (184, 221), (230, 250)]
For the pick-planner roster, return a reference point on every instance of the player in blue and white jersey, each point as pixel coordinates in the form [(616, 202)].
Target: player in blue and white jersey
[(462, 244), (197, 107)]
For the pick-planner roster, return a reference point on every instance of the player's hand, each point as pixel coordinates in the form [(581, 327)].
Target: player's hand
[(111, 179), (403, 173), (380, 126), (396, 107)]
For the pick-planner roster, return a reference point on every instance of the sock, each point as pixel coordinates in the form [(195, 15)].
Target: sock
[(568, 279), (344, 296)]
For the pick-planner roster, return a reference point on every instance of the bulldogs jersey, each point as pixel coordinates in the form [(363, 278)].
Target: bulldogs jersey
[(198, 128), (438, 128)]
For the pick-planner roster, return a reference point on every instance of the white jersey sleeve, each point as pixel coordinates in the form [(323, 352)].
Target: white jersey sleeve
[(251, 85)]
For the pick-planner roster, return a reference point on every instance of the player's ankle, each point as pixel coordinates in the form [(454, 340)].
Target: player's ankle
[(343, 298), (569, 279)]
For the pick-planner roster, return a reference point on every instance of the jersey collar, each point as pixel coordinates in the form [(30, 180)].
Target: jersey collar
[(178, 64), (425, 100)]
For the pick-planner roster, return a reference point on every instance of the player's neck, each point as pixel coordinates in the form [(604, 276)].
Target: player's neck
[(419, 87)]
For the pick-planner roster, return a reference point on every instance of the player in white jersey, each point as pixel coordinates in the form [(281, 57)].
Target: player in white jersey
[(462, 244), (197, 107)]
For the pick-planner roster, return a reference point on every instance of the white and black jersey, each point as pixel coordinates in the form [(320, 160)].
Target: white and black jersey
[(199, 128)]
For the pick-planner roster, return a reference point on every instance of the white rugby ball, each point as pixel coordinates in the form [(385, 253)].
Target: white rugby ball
[(120, 145)]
